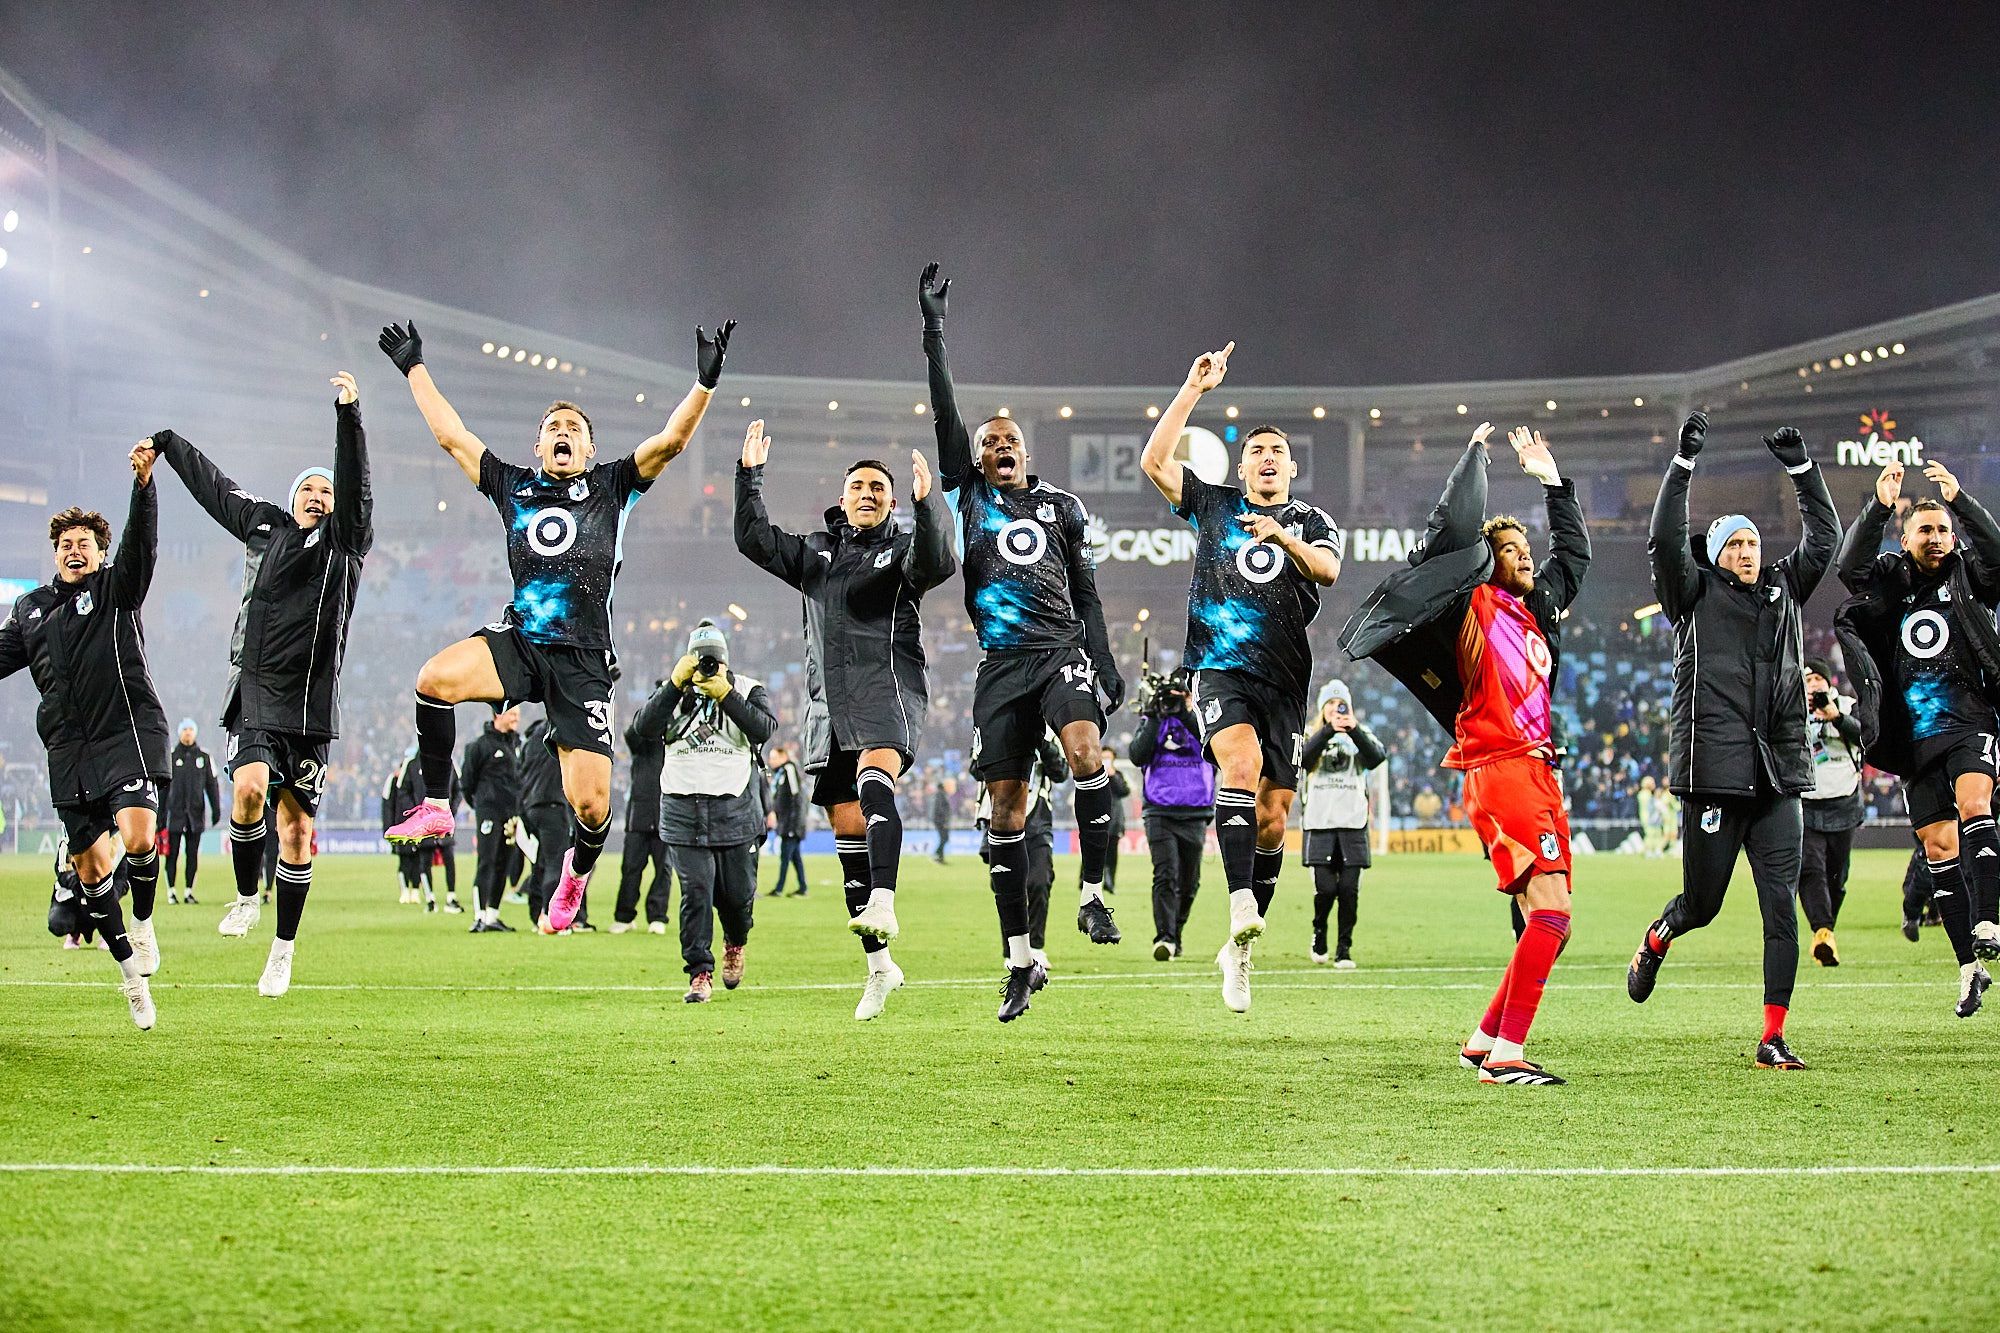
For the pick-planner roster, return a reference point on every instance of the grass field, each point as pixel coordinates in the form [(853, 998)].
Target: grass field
[(1135, 1155)]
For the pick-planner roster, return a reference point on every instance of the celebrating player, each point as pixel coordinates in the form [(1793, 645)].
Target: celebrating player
[(1928, 667), (1474, 630), (565, 525), (1031, 592), (301, 568), (863, 583), (1738, 756), (80, 638), (1260, 559)]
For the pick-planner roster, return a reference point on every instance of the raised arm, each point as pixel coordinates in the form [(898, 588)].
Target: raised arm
[(1676, 578), (13, 646), (353, 501), (1158, 459), (228, 504), (1863, 542), (1819, 522), (139, 544), (1461, 509), (769, 546), (954, 445), (1569, 538), (659, 450), (1369, 752), (1978, 535), (1090, 610), (928, 561), (405, 347), (750, 711)]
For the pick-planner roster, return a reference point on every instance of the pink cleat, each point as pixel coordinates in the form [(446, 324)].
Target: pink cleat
[(422, 824), (568, 898)]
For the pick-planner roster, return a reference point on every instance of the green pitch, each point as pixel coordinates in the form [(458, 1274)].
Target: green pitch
[(407, 1042)]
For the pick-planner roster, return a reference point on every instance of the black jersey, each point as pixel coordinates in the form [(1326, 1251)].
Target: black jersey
[(565, 541), (1940, 680), (1248, 604), (1023, 551)]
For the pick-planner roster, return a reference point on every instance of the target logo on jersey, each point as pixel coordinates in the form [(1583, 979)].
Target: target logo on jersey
[(551, 531), (1023, 541), (1539, 660), (1926, 634), (1259, 562)]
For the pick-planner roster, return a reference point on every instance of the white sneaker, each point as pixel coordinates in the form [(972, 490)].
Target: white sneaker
[(277, 978), (145, 947), (620, 927), (657, 928), (1343, 964), (1041, 959), (1319, 957), (403, 898), (877, 919), (875, 995), (1986, 939), (140, 997), (239, 919), (1244, 922), (1234, 960)]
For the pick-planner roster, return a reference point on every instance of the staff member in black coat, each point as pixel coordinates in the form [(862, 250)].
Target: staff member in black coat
[(863, 582), (788, 797), (489, 772), (643, 845), (194, 801), (545, 812), (80, 638), (1738, 756)]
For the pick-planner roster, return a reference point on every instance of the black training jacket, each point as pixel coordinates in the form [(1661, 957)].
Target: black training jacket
[(100, 719), (298, 585), (1739, 714), (541, 771), (489, 772), (865, 670), (194, 798), (642, 807), (788, 800)]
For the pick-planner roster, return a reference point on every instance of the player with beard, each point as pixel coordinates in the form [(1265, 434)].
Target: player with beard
[(80, 638), (1031, 593), (565, 525), (301, 570), (1260, 559)]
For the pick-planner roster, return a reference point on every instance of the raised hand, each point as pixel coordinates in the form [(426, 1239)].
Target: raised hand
[(344, 381), (1694, 434), (1940, 476), (142, 458), (1208, 369), (1788, 446), (404, 346), (1533, 452), (1482, 432), (1263, 528), (1889, 485), (756, 448), (920, 476), (934, 297), (708, 354)]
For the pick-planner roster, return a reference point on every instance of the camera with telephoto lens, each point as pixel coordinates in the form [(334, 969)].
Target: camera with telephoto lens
[(1818, 699), (1162, 694), (707, 664)]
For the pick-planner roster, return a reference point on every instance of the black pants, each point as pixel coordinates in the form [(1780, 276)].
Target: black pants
[(491, 852), (790, 858), (1041, 880), (715, 881), (1823, 876), (410, 866), (643, 848), (549, 824), (1769, 830), (183, 840), (944, 836), (1111, 859), (1175, 842), (1339, 888)]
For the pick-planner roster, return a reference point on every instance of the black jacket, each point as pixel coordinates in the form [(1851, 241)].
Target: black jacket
[(1739, 715), (85, 647), (865, 681), (541, 771), (672, 715), (788, 800), (194, 798), (642, 806), (405, 791), (489, 773), (298, 586), (1870, 619), (1410, 624)]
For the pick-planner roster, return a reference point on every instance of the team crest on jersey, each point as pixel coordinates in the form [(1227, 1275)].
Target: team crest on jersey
[(579, 489), (882, 560), (312, 539), (1211, 712), (1771, 593), (1550, 847), (1046, 513), (1944, 592), (84, 605), (1711, 819)]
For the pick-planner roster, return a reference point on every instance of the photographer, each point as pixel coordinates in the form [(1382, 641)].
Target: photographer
[(1177, 802), (713, 723), (1338, 751), (1832, 807)]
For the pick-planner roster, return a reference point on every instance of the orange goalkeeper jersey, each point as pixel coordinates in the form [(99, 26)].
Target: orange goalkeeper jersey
[(1503, 663)]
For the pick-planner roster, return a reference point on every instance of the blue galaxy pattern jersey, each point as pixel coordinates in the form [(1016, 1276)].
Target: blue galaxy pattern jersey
[(565, 541), (1934, 667), (1017, 550), (1248, 604)]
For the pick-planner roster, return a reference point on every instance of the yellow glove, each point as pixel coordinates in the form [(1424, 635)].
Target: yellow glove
[(716, 686), (684, 670)]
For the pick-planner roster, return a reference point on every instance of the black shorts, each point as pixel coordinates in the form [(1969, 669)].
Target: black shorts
[(1931, 796), (297, 763), (87, 821), (1225, 698), (834, 784), (1016, 696), (1341, 848), (573, 685)]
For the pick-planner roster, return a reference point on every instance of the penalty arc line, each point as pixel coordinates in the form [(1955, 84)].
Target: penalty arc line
[(641, 1169)]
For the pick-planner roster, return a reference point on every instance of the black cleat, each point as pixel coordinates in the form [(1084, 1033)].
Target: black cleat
[(1040, 979), (188, 898), (497, 924), (1774, 1054), (476, 928), (1471, 1059), (1912, 926), (1986, 942), (1020, 987), (1519, 1073), (1972, 983), (1094, 920), (1645, 969), (582, 928)]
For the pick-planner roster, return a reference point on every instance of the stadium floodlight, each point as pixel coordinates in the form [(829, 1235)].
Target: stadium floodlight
[(1849, 358), (639, 398), (203, 293), (1550, 404), (1867, 355), (1230, 411), (1145, 614), (833, 404), (1897, 348), (486, 348), (566, 367), (1004, 412), (1319, 414), (1461, 409), (918, 409), (1638, 402), (1064, 412), (535, 360), (1374, 414), (1882, 352), (1152, 411), (737, 611), (504, 351), (520, 355), (743, 402), (10, 221)]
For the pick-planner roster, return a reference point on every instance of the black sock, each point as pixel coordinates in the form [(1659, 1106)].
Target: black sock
[(585, 843), (1948, 892), (100, 904), (142, 875), (1236, 835), (437, 736), (853, 854), (1979, 856), (294, 883), (1264, 875), (1094, 808), (885, 827), (1008, 872), (246, 855)]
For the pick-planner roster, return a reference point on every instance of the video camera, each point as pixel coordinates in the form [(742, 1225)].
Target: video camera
[(1161, 693)]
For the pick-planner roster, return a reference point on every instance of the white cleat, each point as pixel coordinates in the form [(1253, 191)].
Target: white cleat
[(657, 928), (1234, 960), (1318, 957), (875, 995), (277, 978), (1244, 922), (1343, 964), (145, 945), (140, 997), (878, 919), (240, 918), (620, 927)]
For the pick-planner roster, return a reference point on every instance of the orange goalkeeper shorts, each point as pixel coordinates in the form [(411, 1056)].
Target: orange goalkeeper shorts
[(1516, 808)]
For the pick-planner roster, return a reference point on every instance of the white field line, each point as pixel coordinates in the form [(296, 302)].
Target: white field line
[(1002, 1171)]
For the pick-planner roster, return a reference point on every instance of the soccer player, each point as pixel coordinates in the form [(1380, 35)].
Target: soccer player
[(81, 640), (1260, 559), (1474, 630), (1031, 594), (565, 525), (863, 584), (301, 569), (1338, 754), (1738, 756), (1920, 621), (490, 775), (194, 801)]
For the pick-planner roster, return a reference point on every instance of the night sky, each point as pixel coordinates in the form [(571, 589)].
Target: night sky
[(1363, 194)]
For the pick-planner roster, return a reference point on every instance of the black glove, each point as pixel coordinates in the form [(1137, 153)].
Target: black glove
[(934, 297), (1113, 686), (404, 346), (1788, 446), (708, 354), (1694, 434)]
